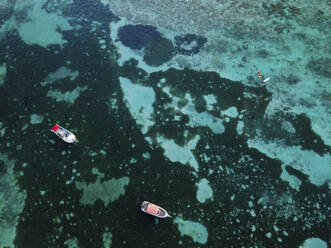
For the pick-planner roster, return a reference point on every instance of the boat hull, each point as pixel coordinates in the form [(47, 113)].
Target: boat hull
[(154, 210), (64, 134)]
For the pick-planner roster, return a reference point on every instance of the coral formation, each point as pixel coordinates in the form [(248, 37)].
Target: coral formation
[(158, 51), (189, 44), (137, 36)]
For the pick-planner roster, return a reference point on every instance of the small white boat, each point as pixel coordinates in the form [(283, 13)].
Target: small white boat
[(64, 134), (154, 210), (266, 80)]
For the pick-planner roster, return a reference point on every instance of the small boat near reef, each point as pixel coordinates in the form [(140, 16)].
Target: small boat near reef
[(154, 210), (266, 80), (259, 75), (64, 134)]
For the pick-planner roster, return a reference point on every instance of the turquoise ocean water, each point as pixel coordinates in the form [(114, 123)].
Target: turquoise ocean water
[(218, 111)]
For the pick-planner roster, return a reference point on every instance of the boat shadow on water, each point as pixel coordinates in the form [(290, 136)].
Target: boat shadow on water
[(149, 223)]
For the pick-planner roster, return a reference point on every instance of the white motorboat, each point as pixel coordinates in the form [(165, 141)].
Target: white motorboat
[(64, 134)]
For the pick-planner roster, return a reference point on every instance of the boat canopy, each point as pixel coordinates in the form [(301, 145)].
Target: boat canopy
[(152, 209), (55, 127)]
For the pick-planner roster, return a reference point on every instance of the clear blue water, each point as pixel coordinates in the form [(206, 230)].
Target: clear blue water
[(172, 112)]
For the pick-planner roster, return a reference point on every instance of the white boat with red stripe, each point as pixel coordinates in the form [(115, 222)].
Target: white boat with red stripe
[(154, 210), (64, 134)]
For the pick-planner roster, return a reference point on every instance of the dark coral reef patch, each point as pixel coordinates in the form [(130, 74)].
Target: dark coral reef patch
[(137, 36), (158, 51), (189, 44)]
